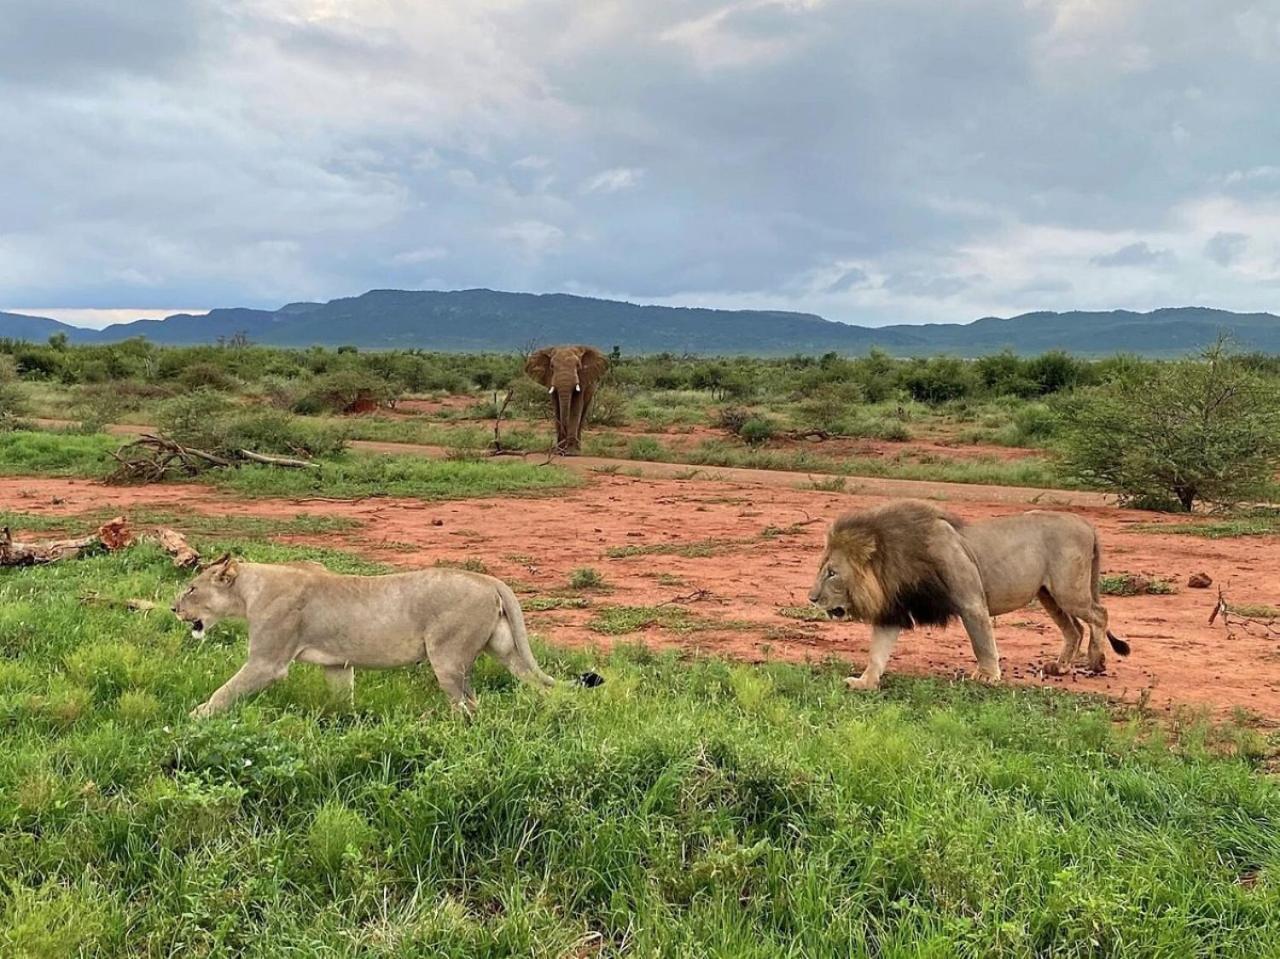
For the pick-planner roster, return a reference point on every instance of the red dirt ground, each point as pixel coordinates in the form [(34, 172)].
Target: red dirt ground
[(751, 574)]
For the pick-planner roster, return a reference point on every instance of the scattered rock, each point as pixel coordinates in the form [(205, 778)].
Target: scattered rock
[(1199, 581), (437, 522)]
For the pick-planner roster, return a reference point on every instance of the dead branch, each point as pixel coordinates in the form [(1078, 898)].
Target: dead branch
[(133, 605), (176, 545), (813, 434), (284, 461), (496, 447), (696, 596), (152, 458), (1234, 620)]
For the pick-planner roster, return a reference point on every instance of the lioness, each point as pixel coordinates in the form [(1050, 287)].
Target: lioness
[(301, 611), (908, 563)]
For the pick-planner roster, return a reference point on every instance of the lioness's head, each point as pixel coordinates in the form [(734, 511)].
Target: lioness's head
[(847, 586), (211, 597)]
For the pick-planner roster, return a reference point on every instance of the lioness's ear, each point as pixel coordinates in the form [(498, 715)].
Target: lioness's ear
[(227, 574)]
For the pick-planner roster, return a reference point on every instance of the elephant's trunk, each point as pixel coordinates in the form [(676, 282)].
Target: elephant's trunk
[(564, 387)]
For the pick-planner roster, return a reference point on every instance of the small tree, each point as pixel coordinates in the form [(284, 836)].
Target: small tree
[(1179, 434)]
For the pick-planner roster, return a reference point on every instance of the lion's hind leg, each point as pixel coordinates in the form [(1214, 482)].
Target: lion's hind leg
[(1081, 605), (1071, 634)]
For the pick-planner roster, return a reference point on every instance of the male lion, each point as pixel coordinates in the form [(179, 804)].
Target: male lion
[(908, 563), (301, 611)]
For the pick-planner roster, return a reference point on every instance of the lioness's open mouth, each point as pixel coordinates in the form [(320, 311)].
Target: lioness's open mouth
[(836, 612)]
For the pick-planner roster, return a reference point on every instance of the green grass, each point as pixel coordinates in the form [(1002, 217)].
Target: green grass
[(621, 620), (688, 807), (694, 550), (809, 613), (1134, 584), (28, 453), (358, 475), (1257, 522)]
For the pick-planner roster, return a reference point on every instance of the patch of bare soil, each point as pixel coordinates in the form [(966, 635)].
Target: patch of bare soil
[(739, 555)]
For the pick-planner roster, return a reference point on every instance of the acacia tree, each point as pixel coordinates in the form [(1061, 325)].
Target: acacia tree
[(1177, 434)]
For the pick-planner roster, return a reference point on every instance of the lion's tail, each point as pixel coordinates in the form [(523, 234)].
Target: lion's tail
[(1095, 585), (531, 671)]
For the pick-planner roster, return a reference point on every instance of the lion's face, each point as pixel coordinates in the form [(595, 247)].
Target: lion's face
[(211, 597), (846, 586)]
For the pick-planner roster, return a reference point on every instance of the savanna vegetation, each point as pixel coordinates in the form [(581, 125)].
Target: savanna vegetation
[(688, 807), (1167, 434)]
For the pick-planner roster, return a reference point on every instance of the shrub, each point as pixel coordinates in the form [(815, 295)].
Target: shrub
[(608, 407), (347, 391), (585, 578), (195, 419), (732, 419), (207, 376), (756, 431), (1204, 431), (208, 421), (828, 406)]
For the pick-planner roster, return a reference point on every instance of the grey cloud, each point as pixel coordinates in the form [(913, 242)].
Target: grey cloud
[(303, 157), (1134, 254), (850, 279), (1225, 248)]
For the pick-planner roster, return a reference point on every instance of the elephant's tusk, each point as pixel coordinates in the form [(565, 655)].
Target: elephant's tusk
[(577, 387), (551, 389)]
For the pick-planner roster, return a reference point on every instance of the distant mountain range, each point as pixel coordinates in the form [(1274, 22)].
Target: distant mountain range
[(467, 320)]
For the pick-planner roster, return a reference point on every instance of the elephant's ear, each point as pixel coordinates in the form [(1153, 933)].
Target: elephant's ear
[(593, 365), (538, 366)]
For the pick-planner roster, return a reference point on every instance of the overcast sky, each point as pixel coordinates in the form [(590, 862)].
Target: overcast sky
[(874, 161)]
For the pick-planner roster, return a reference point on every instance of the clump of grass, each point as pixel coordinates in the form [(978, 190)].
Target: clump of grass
[(620, 620), (1254, 610), (809, 613), (694, 550), (1263, 521), (544, 603), (1134, 584), (832, 484), (471, 564), (337, 835), (586, 578)]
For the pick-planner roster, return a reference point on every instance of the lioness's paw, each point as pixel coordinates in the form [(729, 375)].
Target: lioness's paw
[(862, 682), (1055, 668), (203, 711), (985, 677)]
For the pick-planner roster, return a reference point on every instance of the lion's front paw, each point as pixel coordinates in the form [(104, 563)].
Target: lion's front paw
[(862, 682), (203, 711), (1054, 668), (986, 676)]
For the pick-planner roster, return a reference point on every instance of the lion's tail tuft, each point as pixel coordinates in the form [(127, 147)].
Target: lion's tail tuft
[(1119, 645), (590, 680)]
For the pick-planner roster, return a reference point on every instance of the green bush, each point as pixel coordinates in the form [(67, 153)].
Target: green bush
[(756, 431), (211, 422), (1205, 431), (345, 390)]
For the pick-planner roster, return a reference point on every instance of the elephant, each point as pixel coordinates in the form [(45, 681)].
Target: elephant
[(571, 375)]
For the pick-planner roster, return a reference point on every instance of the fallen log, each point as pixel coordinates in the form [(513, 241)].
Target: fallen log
[(112, 535), (176, 545)]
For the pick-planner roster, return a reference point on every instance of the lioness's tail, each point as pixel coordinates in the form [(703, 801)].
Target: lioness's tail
[(1095, 585), (531, 672)]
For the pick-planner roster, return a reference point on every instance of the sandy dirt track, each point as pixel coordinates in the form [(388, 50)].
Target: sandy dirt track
[(759, 543)]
